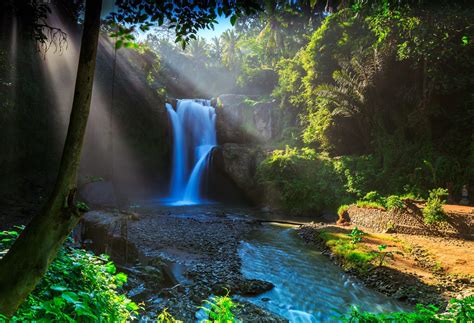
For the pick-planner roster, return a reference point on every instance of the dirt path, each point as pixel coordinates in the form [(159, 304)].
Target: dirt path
[(455, 256)]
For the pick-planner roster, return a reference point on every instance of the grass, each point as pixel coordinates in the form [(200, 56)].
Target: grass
[(356, 256)]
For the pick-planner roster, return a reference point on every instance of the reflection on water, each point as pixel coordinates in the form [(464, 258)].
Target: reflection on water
[(308, 286)]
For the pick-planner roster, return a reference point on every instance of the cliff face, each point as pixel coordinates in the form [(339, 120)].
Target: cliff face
[(244, 129)]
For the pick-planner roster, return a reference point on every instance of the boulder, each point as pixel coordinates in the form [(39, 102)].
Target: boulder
[(244, 122)]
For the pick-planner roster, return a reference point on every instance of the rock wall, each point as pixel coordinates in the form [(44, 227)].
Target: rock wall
[(239, 162), (410, 221), (245, 128), (242, 121)]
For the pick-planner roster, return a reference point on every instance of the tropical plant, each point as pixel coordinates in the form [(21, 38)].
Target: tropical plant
[(220, 310), (433, 210), (394, 202), (78, 286), (356, 235), (166, 317), (231, 52)]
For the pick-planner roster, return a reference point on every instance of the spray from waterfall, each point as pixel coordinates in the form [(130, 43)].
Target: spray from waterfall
[(194, 137)]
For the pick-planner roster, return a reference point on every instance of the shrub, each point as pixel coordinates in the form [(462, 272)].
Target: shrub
[(459, 311), (305, 181), (219, 310), (78, 286), (394, 202), (433, 211), (166, 317), (356, 235)]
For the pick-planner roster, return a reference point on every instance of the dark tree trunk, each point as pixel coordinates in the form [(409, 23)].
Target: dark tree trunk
[(28, 259)]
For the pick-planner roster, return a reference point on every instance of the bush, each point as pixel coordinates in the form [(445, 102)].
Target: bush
[(394, 202), (220, 309), (305, 181), (78, 286), (433, 211), (459, 311)]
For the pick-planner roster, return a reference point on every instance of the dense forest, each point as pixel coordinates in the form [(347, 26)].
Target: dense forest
[(350, 121)]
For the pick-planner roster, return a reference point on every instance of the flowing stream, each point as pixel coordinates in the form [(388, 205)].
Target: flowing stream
[(308, 286), (194, 137)]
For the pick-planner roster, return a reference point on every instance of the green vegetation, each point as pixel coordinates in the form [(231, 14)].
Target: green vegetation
[(459, 311), (166, 317), (384, 92), (304, 180), (352, 255), (433, 210), (77, 287), (356, 235), (383, 254), (220, 310)]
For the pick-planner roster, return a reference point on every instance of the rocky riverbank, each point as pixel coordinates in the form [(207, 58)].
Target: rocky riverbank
[(411, 274), (175, 260)]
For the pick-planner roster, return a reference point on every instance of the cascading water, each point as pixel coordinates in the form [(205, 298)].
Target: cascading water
[(194, 137)]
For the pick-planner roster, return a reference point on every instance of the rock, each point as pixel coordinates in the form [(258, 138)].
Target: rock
[(240, 163), (240, 122), (99, 194), (253, 287)]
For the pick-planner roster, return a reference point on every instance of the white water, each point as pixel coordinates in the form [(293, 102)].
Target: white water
[(194, 137)]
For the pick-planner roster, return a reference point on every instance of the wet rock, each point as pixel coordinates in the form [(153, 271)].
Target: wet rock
[(254, 287)]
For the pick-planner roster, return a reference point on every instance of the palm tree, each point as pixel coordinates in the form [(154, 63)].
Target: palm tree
[(216, 49), (198, 48), (272, 32), (354, 95), (231, 52)]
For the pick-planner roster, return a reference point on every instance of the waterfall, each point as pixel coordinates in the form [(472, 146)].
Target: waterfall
[(194, 137)]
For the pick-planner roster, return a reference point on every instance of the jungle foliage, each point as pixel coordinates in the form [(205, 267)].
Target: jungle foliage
[(384, 95), (78, 286)]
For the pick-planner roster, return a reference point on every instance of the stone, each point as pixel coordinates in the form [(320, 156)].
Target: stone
[(239, 122), (239, 163), (253, 287)]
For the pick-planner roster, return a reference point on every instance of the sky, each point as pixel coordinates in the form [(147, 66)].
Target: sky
[(222, 25)]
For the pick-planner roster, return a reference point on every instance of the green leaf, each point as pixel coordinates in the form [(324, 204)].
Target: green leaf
[(233, 19), (58, 288), (71, 297), (121, 277), (132, 306), (118, 44)]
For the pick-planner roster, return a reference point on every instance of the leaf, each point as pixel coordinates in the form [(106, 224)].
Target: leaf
[(121, 277), (71, 297), (58, 288), (118, 44), (233, 19), (132, 307), (110, 268)]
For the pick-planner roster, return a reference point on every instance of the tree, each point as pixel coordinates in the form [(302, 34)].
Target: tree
[(231, 53), (216, 51), (29, 257)]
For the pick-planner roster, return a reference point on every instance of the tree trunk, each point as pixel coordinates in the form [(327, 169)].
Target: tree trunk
[(28, 259)]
